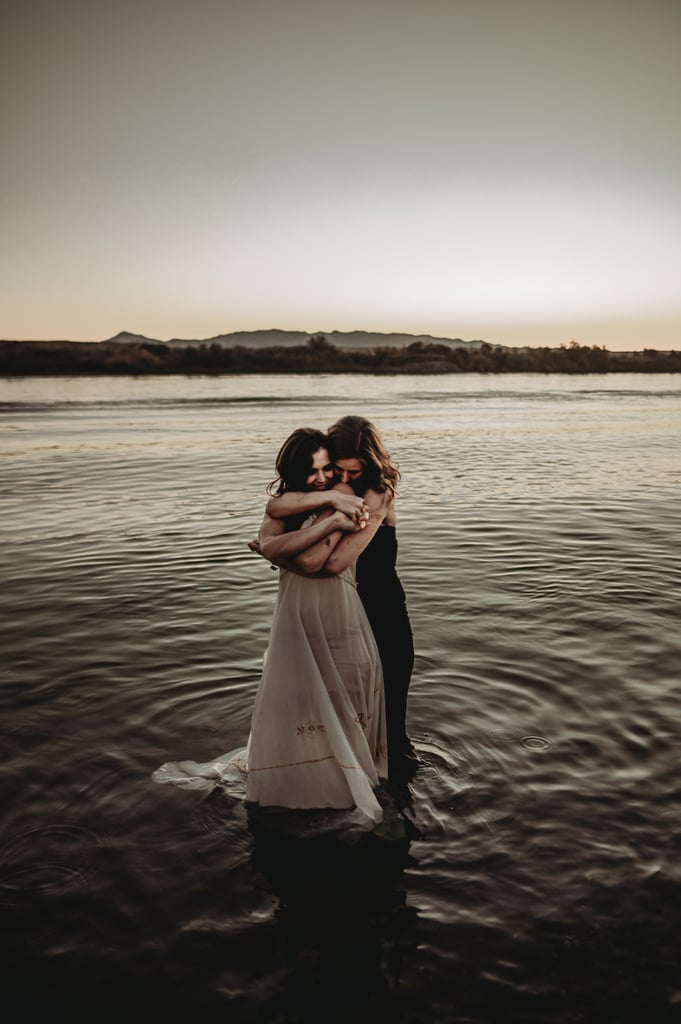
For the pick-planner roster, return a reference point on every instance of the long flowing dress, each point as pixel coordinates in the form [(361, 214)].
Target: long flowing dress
[(318, 731)]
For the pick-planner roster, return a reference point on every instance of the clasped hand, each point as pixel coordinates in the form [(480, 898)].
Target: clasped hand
[(355, 508)]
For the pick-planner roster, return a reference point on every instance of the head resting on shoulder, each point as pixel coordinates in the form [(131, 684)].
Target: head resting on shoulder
[(355, 440), (294, 460)]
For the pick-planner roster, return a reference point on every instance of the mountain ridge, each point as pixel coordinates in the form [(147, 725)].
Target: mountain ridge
[(273, 337), (341, 339)]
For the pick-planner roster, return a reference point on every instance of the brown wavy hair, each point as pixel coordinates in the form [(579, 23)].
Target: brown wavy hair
[(294, 459), (353, 437)]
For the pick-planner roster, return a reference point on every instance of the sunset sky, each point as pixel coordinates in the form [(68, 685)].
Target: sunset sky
[(509, 171)]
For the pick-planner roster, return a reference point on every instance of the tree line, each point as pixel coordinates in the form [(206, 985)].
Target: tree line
[(46, 358)]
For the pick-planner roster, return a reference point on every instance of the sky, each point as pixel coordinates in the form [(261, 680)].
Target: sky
[(506, 171)]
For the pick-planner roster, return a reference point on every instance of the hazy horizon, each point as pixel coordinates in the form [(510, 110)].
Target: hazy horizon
[(339, 341), (473, 170)]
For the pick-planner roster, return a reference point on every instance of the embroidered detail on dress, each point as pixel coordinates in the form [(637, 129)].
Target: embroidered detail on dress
[(310, 728), (310, 760)]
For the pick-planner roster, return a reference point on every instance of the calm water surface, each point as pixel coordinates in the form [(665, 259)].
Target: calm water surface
[(532, 874)]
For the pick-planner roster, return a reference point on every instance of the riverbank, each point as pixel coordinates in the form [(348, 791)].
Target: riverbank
[(57, 358)]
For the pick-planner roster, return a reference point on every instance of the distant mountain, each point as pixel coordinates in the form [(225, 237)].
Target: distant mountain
[(287, 339), (126, 338), (249, 339), (341, 339)]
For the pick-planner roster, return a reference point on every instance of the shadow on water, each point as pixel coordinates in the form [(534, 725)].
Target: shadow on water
[(344, 927)]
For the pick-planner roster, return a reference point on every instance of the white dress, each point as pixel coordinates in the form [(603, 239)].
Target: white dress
[(317, 735)]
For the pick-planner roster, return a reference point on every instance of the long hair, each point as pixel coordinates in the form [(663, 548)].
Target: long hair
[(294, 461), (353, 437)]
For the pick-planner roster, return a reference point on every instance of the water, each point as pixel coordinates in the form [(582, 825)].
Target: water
[(538, 878)]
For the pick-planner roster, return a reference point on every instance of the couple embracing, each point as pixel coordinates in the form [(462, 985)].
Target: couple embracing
[(329, 715)]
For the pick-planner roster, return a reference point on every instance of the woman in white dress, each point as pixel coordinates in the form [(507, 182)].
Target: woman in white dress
[(317, 735)]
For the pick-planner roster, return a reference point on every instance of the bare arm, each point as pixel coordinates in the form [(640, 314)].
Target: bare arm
[(351, 545), (276, 545), (331, 559), (294, 502)]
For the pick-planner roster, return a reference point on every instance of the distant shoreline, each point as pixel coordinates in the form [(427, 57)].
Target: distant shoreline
[(318, 355)]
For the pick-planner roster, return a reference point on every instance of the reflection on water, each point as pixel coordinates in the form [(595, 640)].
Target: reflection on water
[(343, 923), (531, 872)]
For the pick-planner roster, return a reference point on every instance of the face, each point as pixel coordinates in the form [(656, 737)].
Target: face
[(348, 471), (321, 473)]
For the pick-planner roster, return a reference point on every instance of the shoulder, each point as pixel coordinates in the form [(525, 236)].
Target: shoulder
[(378, 501), (381, 506)]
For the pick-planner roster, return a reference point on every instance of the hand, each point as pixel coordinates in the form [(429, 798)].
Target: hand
[(352, 506), (349, 525), (255, 546)]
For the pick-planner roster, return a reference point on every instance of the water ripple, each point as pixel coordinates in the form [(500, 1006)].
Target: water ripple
[(46, 860), (539, 551)]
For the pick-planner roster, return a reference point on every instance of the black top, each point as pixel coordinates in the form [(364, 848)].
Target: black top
[(377, 579)]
